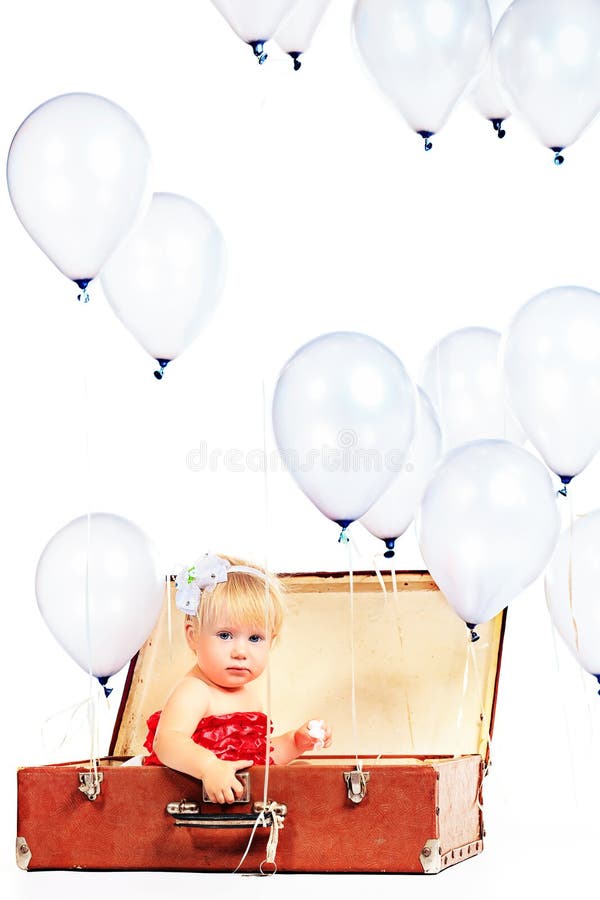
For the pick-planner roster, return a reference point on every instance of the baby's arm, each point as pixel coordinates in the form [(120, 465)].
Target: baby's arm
[(292, 744), (173, 744)]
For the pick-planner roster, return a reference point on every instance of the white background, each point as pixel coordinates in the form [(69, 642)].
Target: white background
[(335, 219)]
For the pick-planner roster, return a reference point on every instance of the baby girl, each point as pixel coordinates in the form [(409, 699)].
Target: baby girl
[(212, 724)]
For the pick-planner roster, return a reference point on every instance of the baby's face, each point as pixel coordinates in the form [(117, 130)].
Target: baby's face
[(230, 655)]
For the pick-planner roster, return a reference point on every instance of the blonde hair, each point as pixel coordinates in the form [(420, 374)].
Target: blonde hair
[(243, 599)]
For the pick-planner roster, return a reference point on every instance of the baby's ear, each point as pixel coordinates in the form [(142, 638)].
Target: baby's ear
[(191, 632)]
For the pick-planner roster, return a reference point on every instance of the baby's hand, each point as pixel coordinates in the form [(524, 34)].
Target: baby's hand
[(219, 780), (313, 735)]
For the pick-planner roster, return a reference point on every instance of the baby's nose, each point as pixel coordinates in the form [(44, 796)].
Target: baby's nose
[(238, 649)]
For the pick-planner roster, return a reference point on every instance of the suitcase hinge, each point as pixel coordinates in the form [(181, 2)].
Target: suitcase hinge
[(89, 784), (356, 784)]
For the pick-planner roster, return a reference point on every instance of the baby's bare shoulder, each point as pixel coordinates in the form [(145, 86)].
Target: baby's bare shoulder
[(190, 695), (189, 688)]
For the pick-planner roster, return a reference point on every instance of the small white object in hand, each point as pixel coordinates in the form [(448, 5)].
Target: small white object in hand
[(316, 729)]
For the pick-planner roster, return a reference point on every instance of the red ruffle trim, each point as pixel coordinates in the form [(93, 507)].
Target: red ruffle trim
[(231, 737)]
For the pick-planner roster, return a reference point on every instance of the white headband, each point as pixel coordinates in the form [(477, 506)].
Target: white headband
[(204, 575)]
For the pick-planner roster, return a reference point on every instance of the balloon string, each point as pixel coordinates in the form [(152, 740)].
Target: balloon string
[(409, 715), (461, 705), (353, 657), (267, 592), (266, 506), (397, 621), (394, 583), (74, 710), (485, 723), (565, 713), (169, 618), (380, 578), (92, 699), (385, 606), (90, 708), (575, 628), (590, 717)]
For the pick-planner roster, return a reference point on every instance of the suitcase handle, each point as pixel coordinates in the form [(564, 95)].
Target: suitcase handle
[(186, 813)]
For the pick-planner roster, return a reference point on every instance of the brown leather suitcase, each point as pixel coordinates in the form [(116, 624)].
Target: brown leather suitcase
[(402, 794)]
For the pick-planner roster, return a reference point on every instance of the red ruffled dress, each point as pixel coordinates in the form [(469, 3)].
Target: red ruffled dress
[(240, 735)]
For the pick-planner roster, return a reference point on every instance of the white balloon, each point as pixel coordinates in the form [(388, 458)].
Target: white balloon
[(462, 376), (125, 591), (165, 280), (296, 33), (77, 173), (391, 515), (545, 53), (423, 54), (487, 526), (552, 369), (488, 100), (255, 21), (343, 418), (486, 95), (576, 611)]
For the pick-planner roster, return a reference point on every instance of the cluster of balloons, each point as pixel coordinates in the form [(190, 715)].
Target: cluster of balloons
[(361, 440), (534, 58), (78, 175), (292, 23), (364, 443), (99, 591)]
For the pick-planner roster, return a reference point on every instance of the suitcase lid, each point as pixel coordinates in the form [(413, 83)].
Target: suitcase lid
[(422, 688)]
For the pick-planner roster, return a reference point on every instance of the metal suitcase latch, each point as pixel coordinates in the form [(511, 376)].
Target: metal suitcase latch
[(356, 784), (89, 784)]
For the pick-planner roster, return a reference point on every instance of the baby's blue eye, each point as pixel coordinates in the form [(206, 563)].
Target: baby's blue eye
[(255, 638), (224, 635)]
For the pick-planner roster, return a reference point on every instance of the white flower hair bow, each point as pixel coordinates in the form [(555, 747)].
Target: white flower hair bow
[(204, 575)]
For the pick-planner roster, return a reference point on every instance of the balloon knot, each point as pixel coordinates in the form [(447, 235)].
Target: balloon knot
[(103, 681), (297, 64), (558, 157), (82, 283), (390, 543), (474, 635), (259, 51), (565, 479), (163, 363), (597, 677), (426, 135), (343, 523), (497, 123)]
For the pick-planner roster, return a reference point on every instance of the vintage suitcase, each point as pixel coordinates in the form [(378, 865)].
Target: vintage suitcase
[(403, 792)]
